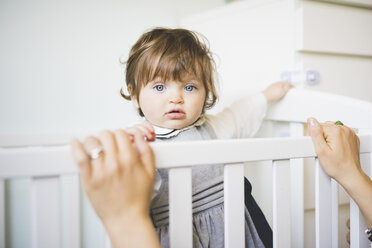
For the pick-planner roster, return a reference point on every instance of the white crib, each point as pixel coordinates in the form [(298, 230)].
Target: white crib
[(56, 208)]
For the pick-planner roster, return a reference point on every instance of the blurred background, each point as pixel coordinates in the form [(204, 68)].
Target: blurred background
[(59, 63), (60, 71)]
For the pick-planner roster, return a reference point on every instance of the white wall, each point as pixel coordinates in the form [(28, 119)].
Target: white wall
[(60, 74), (59, 63)]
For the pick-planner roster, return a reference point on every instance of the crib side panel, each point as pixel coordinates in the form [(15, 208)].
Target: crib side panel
[(36, 161), (277, 149)]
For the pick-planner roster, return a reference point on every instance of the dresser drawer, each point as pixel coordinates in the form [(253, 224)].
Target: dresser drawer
[(339, 74), (331, 28)]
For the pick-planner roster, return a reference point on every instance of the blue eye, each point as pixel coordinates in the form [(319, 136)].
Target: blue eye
[(159, 87), (189, 88)]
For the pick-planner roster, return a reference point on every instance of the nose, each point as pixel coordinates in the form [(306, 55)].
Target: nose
[(176, 98)]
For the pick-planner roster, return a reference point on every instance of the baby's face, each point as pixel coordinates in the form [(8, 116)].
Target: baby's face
[(172, 104)]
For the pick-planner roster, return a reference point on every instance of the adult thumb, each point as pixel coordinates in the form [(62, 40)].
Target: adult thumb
[(317, 135)]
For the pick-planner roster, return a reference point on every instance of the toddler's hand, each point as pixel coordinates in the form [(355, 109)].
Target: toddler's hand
[(276, 91), (145, 129)]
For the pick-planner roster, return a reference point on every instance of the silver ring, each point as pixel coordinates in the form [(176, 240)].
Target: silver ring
[(96, 152)]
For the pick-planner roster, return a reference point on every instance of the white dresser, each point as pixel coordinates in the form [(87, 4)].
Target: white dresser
[(318, 45), (255, 41)]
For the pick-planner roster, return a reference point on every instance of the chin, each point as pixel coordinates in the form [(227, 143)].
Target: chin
[(178, 125)]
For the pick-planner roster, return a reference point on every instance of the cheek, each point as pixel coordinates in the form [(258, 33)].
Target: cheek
[(143, 99), (149, 106), (199, 103)]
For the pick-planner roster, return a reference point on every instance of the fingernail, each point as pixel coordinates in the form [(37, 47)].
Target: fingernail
[(312, 122)]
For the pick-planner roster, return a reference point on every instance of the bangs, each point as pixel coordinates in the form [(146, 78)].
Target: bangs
[(171, 66)]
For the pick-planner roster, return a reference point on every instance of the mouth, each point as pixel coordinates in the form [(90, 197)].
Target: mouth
[(175, 114)]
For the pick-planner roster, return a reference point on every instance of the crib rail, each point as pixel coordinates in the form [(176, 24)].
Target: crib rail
[(57, 160), (46, 165)]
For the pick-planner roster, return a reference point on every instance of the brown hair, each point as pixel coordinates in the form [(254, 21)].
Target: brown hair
[(170, 54)]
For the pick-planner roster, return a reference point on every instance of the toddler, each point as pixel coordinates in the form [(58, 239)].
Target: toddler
[(170, 80)]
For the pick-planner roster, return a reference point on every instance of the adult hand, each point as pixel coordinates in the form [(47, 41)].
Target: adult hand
[(119, 184), (337, 148)]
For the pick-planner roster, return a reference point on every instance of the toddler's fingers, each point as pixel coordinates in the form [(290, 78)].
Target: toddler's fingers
[(150, 127), (136, 130), (147, 132), (132, 131), (286, 87), (151, 130), (289, 86)]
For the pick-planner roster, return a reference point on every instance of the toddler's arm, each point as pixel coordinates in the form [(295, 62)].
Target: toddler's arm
[(145, 129), (243, 118), (276, 91)]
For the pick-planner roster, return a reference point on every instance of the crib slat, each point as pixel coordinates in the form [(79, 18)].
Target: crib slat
[(334, 189), (281, 204), (297, 202), (297, 192), (323, 210), (2, 213), (70, 211), (234, 205), (107, 241), (93, 233), (357, 226), (45, 212), (180, 207), (357, 223)]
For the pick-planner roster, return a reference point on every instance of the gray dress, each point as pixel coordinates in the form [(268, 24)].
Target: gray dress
[(207, 200)]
